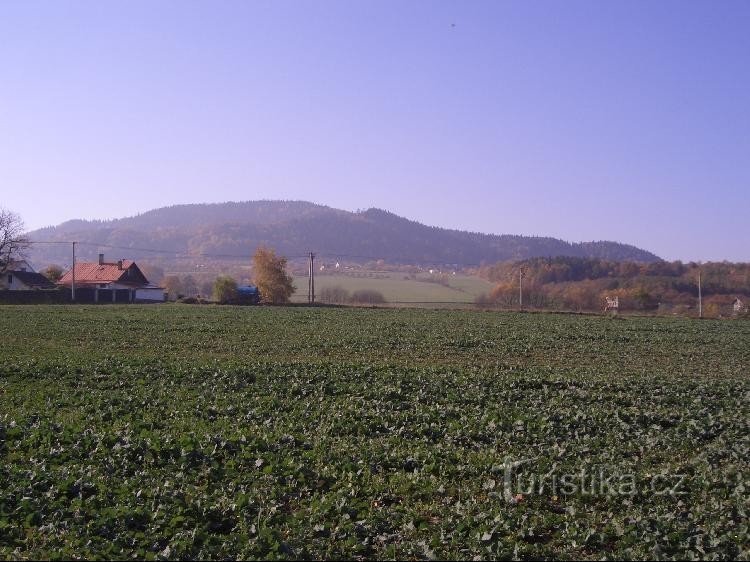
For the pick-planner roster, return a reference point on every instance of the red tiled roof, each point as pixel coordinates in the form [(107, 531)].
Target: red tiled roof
[(95, 273)]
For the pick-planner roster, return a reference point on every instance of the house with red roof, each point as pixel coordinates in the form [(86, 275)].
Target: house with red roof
[(117, 282)]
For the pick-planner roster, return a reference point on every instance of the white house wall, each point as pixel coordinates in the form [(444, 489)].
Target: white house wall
[(151, 295), (15, 285)]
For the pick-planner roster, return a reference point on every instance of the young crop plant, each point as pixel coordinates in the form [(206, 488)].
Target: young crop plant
[(284, 433)]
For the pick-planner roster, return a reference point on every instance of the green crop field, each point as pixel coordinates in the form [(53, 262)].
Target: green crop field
[(176, 431)]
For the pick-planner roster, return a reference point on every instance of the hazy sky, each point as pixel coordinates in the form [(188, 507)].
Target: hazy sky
[(581, 120)]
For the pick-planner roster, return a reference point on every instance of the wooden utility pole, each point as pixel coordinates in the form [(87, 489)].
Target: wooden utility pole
[(73, 285), (311, 281), (520, 287), (700, 296)]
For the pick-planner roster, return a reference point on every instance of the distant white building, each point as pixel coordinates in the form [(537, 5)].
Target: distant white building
[(20, 276), (612, 303)]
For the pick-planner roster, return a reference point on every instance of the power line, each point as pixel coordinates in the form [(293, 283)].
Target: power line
[(310, 255), (176, 254), (171, 253), (51, 242), (410, 260)]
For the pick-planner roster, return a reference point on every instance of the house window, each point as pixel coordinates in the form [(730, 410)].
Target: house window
[(10, 279), (102, 285)]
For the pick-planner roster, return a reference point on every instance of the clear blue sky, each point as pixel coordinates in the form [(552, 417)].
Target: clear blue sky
[(598, 120)]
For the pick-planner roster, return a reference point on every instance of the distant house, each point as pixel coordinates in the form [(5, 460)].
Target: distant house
[(738, 306), (118, 282), (20, 265), (20, 276)]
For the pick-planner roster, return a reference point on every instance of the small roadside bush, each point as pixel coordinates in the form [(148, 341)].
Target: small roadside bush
[(368, 296), (225, 290), (335, 295), (483, 300)]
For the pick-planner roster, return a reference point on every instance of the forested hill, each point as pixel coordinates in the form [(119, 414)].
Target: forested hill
[(295, 227)]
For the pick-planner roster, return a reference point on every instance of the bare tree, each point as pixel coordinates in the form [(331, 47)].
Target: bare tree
[(53, 272), (173, 285), (13, 243), (189, 286)]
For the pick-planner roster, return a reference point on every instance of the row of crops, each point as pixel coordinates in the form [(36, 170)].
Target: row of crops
[(219, 432)]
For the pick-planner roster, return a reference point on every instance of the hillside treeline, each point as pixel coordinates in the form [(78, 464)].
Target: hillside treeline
[(583, 284), (294, 228)]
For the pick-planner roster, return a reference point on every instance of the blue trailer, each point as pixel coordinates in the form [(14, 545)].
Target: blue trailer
[(248, 294)]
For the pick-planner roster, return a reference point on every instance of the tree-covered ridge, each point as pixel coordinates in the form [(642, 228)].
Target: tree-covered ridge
[(571, 282), (294, 227)]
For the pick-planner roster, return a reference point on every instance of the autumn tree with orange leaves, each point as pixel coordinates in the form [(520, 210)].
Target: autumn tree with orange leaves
[(274, 283)]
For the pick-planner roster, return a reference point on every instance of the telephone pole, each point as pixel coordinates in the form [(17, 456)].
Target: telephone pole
[(700, 296), (520, 288), (311, 281), (73, 285)]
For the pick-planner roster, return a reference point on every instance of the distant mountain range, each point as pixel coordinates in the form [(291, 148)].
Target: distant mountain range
[(292, 228)]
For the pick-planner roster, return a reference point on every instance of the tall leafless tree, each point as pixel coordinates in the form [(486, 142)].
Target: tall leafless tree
[(13, 243)]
